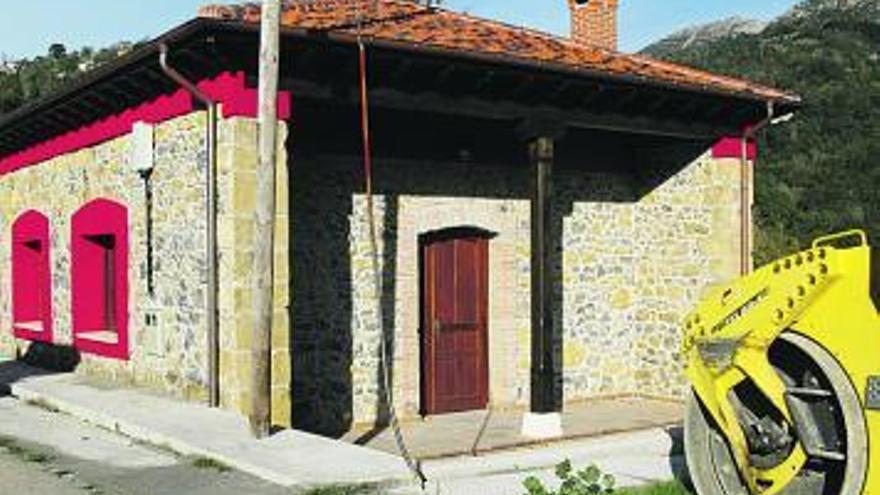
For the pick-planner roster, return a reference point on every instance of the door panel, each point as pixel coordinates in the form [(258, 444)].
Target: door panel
[(455, 327)]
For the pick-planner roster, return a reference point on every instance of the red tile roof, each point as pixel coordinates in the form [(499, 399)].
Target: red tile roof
[(409, 22)]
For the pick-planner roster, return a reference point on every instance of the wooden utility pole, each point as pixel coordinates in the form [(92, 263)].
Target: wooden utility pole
[(264, 221)]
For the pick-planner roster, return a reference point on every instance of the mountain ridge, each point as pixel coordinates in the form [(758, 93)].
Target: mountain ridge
[(704, 33)]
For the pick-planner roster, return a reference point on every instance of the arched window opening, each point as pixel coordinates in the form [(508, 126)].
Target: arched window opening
[(99, 278), (31, 278)]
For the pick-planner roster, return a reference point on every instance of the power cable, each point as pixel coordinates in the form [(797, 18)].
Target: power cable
[(412, 463)]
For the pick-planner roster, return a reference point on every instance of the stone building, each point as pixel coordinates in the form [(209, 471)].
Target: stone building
[(547, 211)]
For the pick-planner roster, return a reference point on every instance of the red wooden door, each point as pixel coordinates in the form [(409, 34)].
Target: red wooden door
[(455, 344)]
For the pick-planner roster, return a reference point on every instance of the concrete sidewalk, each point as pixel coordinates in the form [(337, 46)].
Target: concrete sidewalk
[(289, 458), (302, 460)]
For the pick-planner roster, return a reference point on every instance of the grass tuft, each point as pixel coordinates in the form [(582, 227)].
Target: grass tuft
[(12, 447), (669, 488), (38, 457), (208, 463), (42, 404), (343, 490)]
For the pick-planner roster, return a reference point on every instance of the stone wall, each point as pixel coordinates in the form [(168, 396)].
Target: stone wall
[(635, 254), (237, 165), (337, 325), (634, 263), (168, 355)]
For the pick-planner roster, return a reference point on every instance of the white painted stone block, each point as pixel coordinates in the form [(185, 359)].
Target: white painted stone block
[(541, 426)]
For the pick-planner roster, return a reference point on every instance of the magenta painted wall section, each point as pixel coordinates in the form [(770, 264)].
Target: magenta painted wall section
[(31, 278), (229, 89), (99, 278), (239, 100), (161, 109), (731, 147)]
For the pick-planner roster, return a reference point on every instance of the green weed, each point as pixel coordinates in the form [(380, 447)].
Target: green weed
[(208, 463), (592, 481), (670, 488), (343, 490)]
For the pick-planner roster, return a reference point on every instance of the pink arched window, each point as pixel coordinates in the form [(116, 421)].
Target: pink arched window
[(31, 278), (99, 278)]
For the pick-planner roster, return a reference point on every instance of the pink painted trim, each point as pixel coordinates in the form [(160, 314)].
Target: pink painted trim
[(229, 89), (239, 100), (31, 278), (731, 147), (94, 224)]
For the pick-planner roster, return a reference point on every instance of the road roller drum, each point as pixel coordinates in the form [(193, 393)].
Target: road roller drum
[(785, 372)]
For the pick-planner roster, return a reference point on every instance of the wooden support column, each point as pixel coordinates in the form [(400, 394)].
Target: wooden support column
[(541, 156)]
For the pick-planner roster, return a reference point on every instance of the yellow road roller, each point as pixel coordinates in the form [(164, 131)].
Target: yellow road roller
[(785, 372)]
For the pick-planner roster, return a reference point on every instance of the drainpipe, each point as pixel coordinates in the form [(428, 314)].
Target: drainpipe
[(211, 208), (746, 191)]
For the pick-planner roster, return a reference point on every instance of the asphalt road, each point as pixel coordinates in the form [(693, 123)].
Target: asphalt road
[(20, 476), (44, 452)]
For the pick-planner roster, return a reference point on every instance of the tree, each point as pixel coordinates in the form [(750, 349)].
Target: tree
[(57, 51), (818, 173), (34, 78)]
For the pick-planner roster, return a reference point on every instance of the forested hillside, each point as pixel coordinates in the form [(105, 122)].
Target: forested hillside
[(25, 80), (819, 172)]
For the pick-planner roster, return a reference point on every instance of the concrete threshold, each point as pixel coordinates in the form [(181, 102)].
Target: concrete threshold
[(490, 432), (666, 429), (289, 458)]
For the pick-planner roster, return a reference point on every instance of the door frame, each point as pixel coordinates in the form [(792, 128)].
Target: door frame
[(427, 389)]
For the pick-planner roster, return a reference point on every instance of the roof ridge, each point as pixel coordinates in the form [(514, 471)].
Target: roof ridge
[(303, 8), (635, 57), (414, 22), (525, 29), (638, 58), (656, 62), (439, 8)]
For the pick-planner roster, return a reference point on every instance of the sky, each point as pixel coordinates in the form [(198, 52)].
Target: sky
[(28, 27)]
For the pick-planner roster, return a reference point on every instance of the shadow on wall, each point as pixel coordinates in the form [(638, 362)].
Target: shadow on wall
[(416, 155), (321, 306), (49, 357), (41, 359)]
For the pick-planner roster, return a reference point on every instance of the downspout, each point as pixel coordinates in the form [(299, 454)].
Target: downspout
[(211, 208), (746, 193)]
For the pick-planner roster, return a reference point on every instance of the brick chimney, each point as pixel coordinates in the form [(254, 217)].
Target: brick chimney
[(594, 22)]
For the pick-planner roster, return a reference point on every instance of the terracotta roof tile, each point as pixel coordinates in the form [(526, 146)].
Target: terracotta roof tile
[(419, 25)]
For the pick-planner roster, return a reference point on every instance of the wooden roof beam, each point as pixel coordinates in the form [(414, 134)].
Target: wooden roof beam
[(592, 96), (131, 87), (508, 110), (99, 103), (77, 113), (7, 142), (68, 121), (526, 83), (484, 81)]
